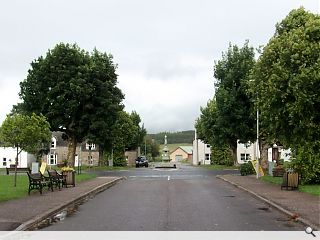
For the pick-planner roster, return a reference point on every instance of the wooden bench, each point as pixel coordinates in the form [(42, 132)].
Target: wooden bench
[(290, 180), (19, 170), (37, 181)]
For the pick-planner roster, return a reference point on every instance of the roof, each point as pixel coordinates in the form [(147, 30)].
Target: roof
[(187, 149)]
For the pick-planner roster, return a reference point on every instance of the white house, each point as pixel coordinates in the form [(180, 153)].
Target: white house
[(201, 153), (8, 156), (246, 152)]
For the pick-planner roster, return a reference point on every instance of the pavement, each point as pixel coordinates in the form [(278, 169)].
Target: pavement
[(299, 206), (35, 211)]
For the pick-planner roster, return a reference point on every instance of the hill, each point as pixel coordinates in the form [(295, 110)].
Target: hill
[(174, 137)]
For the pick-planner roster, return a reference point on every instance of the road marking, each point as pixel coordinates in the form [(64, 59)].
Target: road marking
[(168, 178)]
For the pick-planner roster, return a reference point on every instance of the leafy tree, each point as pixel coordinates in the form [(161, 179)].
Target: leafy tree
[(105, 103), (287, 79), (76, 92), (25, 133), (152, 146), (234, 120), (141, 131), (124, 134)]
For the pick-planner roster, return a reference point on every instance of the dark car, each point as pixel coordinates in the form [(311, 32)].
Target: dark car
[(142, 161)]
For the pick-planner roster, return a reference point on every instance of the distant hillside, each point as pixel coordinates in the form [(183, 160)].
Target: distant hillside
[(174, 137)]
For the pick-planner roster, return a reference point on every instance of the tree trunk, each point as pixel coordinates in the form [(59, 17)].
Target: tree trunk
[(234, 154), (72, 145), (101, 157), (264, 155)]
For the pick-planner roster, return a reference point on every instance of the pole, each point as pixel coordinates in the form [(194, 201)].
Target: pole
[(257, 146)]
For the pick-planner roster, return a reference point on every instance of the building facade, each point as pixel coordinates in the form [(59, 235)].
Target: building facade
[(86, 154), (8, 156), (182, 153)]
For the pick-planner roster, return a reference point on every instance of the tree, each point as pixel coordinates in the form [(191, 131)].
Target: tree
[(141, 131), (76, 92), (287, 80), (25, 133), (124, 134), (234, 120)]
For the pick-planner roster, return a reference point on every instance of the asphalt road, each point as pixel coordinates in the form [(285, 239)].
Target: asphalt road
[(187, 198)]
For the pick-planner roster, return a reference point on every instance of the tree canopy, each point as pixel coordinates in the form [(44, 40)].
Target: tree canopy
[(287, 80), (76, 91), (25, 133)]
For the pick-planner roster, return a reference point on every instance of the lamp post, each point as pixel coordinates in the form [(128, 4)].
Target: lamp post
[(257, 146)]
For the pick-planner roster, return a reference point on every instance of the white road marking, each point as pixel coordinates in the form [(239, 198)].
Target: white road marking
[(168, 178)]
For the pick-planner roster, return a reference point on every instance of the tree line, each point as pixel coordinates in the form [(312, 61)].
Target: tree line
[(76, 92), (280, 86), (174, 137)]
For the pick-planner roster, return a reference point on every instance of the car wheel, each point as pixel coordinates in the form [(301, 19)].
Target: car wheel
[(146, 165), (137, 165)]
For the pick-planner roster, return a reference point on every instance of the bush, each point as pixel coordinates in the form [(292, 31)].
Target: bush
[(246, 169), (119, 162), (221, 155), (306, 161)]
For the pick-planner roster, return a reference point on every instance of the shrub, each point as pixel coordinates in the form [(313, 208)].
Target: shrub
[(246, 169), (119, 162), (307, 162)]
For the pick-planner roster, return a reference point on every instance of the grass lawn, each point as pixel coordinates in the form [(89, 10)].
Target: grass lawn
[(102, 168), (218, 167), (312, 188), (9, 192)]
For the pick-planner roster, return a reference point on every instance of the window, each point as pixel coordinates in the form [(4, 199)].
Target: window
[(245, 157), (53, 143), (207, 156), (4, 162), (52, 159), (90, 146), (208, 146)]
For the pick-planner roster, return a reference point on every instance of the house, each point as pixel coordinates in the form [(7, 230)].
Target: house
[(201, 153), (246, 152), (182, 153), (8, 156), (86, 154)]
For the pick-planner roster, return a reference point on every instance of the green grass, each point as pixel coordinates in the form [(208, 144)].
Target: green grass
[(218, 167), (313, 189), (102, 168), (9, 192)]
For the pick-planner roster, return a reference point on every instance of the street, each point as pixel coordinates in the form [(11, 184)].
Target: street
[(183, 199)]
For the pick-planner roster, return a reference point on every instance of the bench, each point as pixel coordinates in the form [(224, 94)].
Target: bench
[(19, 170), (290, 180), (57, 179), (37, 181)]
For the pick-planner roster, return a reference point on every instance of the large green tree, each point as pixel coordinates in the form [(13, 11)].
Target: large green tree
[(25, 133), (75, 90), (287, 82), (235, 119)]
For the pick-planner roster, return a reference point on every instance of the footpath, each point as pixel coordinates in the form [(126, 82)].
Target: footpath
[(36, 210), (299, 206)]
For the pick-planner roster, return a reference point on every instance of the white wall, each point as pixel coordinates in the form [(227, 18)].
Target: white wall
[(200, 149), (249, 148), (24, 160)]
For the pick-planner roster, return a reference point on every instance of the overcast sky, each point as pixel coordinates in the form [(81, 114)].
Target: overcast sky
[(165, 49)]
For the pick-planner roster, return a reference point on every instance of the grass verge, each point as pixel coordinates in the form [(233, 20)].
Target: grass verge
[(313, 189), (9, 192)]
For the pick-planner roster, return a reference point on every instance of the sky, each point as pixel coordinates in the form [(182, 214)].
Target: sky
[(165, 49)]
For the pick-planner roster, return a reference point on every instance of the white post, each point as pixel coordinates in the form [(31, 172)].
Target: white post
[(257, 146)]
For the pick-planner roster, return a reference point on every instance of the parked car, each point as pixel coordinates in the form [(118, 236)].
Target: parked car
[(142, 161)]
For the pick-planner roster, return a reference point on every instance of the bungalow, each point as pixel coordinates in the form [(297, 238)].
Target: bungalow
[(182, 153)]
